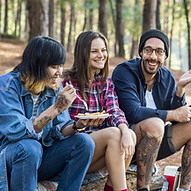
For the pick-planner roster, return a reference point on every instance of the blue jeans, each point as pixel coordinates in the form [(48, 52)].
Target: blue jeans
[(29, 162)]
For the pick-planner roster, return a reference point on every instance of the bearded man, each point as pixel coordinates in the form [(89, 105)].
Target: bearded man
[(150, 97)]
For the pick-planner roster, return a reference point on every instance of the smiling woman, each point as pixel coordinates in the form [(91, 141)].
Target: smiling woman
[(35, 125), (55, 71), (89, 76)]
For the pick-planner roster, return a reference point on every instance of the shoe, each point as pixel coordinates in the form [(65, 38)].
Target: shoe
[(133, 169)]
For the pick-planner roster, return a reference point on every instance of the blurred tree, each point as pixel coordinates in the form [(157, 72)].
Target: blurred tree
[(51, 18), (85, 15), (188, 32), (14, 19), (38, 17), (120, 28), (135, 35), (72, 17), (158, 23), (88, 15), (149, 14), (171, 31), (63, 22), (103, 19), (114, 25), (18, 18), (6, 17), (167, 14)]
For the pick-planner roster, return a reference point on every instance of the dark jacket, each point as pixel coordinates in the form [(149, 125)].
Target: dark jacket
[(130, 86)]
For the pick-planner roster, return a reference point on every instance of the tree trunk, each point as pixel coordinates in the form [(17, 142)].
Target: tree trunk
[(90, 16), (166, 18), (63, 22), (149, 15), (18, 17), (135, 34), (38, 17), (72, 10), (114, 24), (188, 29), (134, 48), (6, 16), (51, 18), (19, 22), (85, 15), (120, 28), (171, 32), (103, 17), (158, 23), (26, 27)]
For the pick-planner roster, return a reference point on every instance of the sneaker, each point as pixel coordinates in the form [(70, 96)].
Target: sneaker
[(133, 169)]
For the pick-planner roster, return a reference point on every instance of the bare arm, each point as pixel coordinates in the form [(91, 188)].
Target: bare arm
[(128, 140), (181, 114), (184, 80), (64, 100)]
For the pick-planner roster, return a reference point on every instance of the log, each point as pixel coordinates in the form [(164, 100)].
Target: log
[(96, 182), (156, 183)]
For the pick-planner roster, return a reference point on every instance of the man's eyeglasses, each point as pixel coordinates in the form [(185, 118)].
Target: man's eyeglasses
[(158, 51)]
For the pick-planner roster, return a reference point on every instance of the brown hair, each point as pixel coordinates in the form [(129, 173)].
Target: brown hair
[(80, 69)]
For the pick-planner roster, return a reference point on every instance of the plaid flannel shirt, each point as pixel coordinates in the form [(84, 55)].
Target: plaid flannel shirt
[(108, 102)]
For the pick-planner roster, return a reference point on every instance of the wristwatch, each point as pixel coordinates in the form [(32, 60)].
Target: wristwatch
[(74, 127)]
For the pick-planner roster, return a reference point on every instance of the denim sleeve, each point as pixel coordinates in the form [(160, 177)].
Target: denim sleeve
[(62, 120), (130, 92), (13, 122), (178, 101)]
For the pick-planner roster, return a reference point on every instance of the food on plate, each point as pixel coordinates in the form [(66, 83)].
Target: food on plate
[(90, 114)]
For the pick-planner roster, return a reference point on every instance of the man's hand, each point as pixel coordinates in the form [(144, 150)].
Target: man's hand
[(181, 114), (184, 80)]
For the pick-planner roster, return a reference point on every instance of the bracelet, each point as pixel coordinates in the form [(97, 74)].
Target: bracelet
[(74, 127)]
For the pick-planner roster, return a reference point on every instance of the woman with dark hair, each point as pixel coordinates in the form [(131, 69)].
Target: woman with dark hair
[(38, 139), (114, 146)]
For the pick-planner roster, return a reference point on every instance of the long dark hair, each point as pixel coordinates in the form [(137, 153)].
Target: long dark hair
[(40, 53), (80, 69)]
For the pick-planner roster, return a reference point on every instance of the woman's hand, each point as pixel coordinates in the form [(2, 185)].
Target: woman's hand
[(128, 141), (82, 123), (65, 98)]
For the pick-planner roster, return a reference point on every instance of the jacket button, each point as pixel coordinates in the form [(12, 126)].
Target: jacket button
[(2, 178), (1, 153)]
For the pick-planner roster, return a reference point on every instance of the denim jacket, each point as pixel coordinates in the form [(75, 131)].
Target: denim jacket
[(131, 86), (16, 121)]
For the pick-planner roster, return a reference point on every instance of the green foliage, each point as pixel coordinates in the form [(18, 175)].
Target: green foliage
[(132, 15), (132, 12)]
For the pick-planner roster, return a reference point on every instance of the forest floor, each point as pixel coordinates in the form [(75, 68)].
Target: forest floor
[(10, 55)]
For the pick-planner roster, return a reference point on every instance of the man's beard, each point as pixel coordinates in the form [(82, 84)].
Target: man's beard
[(159, 64)]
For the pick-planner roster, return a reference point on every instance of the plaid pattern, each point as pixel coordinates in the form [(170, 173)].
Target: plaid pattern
[(108, 102)]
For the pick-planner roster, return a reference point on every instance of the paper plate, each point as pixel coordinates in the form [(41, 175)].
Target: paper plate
[(105, 115)]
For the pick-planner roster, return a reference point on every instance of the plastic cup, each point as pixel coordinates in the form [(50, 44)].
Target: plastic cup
[(170, 173)]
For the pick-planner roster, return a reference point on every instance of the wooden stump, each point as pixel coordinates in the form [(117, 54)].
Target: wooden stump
[(98, 185), (156, 183)]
